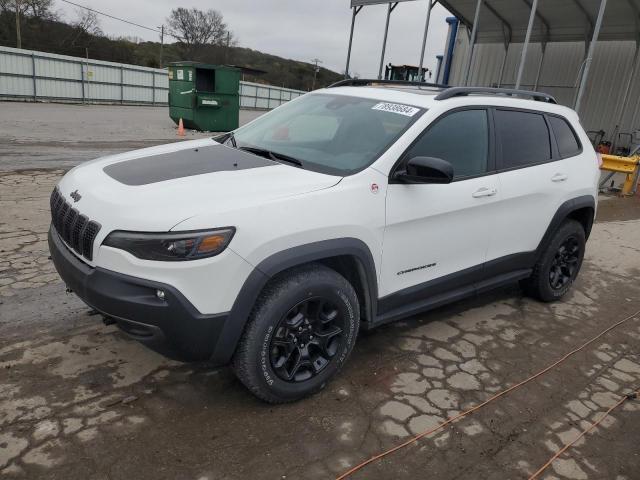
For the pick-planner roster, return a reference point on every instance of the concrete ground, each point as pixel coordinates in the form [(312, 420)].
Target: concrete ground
[(79, 400)]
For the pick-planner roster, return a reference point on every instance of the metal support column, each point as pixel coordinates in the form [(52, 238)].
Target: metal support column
[(121, 85), (33, 69), (543, 45), (472, 41), (507, 33), (627, 89), (503, 65), (384, 40), (356, 10), (594, 40), (82, 80), (424, 40), (525, 46)]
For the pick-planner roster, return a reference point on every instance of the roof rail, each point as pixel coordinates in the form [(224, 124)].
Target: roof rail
[(363, 82), (463, 91)]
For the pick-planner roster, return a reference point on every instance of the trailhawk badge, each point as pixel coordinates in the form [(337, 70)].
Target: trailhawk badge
[(76, 196)]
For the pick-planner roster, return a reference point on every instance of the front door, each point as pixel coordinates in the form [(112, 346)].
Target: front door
[(436, 236)]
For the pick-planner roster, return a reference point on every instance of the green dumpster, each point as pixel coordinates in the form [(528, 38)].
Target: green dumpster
[(206, 97)]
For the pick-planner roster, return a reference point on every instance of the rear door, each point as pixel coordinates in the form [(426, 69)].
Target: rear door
[(533, 180), (441, 232)]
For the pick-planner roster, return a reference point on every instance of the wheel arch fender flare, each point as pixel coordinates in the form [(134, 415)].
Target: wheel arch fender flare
[(565, 211), (284, 260)]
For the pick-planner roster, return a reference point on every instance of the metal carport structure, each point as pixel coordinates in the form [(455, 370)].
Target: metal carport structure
[(572, 30), (548, 21)]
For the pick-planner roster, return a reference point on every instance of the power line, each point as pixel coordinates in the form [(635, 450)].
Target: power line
[(122, 19)]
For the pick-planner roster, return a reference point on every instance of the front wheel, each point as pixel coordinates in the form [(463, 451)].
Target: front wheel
[(558, 267), (300, 333)]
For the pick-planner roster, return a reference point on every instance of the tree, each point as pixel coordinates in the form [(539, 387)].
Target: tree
[(196, 27), (31, 8), (87, 23), (39, 9)]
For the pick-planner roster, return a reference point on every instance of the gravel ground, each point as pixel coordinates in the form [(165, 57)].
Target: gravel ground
[(79, 400)]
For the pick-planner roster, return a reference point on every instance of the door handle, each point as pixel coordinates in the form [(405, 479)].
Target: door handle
[(559, 177), (484, 192)]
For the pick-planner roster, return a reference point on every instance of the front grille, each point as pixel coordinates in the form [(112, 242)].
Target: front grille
[(76, 229)]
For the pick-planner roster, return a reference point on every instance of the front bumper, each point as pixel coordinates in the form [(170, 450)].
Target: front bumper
[(172, 326)]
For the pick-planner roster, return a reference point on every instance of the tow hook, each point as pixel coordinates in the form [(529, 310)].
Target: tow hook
[(108, 321)]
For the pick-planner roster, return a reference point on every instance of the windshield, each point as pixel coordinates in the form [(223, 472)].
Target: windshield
[(333, 134)]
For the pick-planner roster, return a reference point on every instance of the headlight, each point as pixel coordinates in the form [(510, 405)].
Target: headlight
[(172, 247)]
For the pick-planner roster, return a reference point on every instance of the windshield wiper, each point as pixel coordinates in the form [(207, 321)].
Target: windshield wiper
[(278, 157), (224, 137)]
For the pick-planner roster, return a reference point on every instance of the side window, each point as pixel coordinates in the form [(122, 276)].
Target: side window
[(568, 144), (523, 137), (461, 138)]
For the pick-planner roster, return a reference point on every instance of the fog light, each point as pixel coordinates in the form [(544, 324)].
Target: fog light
[(160, 294)]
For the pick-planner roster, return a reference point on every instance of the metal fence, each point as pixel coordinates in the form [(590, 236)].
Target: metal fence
[(32, 76), (256, 95)]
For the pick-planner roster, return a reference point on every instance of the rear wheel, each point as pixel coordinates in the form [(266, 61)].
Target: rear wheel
[(300, 333), (558, 267)]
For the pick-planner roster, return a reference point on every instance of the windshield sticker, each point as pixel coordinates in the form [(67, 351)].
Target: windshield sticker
[(396, 108)]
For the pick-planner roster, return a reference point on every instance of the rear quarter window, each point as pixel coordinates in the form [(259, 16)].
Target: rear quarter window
[(523, 138), (566, 139)]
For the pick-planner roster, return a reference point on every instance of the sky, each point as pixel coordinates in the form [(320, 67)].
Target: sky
[(297, 29)]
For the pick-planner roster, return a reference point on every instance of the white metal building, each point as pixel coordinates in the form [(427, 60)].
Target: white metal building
[(564, 30), (560, 75)]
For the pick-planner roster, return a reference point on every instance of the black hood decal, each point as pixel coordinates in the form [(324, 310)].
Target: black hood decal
[(184, 163)]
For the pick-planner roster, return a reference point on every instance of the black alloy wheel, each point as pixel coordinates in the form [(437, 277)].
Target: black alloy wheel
[(300, 333), (559, 263), (565, 263), (306, 339)]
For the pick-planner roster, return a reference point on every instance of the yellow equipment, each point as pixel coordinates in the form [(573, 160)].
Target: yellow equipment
[(627, 165)]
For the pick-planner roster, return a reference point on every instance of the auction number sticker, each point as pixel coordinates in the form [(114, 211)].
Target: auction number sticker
[(396, 108)]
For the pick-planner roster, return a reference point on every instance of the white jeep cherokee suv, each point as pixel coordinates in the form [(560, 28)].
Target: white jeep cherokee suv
[(346, 208)]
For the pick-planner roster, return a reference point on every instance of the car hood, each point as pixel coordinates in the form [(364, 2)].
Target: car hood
[(156, 188)]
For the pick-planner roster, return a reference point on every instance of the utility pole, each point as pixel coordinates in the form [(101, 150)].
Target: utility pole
[(18, 36), (161, 43), (316, 69), (226, 51)]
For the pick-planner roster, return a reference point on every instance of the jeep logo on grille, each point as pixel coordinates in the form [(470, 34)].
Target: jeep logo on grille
[(76, 196)]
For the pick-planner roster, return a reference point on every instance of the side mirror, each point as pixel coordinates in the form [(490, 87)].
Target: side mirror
[(426, 170)]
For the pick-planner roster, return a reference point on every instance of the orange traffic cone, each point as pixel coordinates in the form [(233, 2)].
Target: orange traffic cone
[(180, 128)]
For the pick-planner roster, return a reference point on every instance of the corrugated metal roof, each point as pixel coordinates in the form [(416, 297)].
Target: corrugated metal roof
[(556, 20)]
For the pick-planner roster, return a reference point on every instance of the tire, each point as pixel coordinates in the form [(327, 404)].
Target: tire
[(308, 304), (559, 264)]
